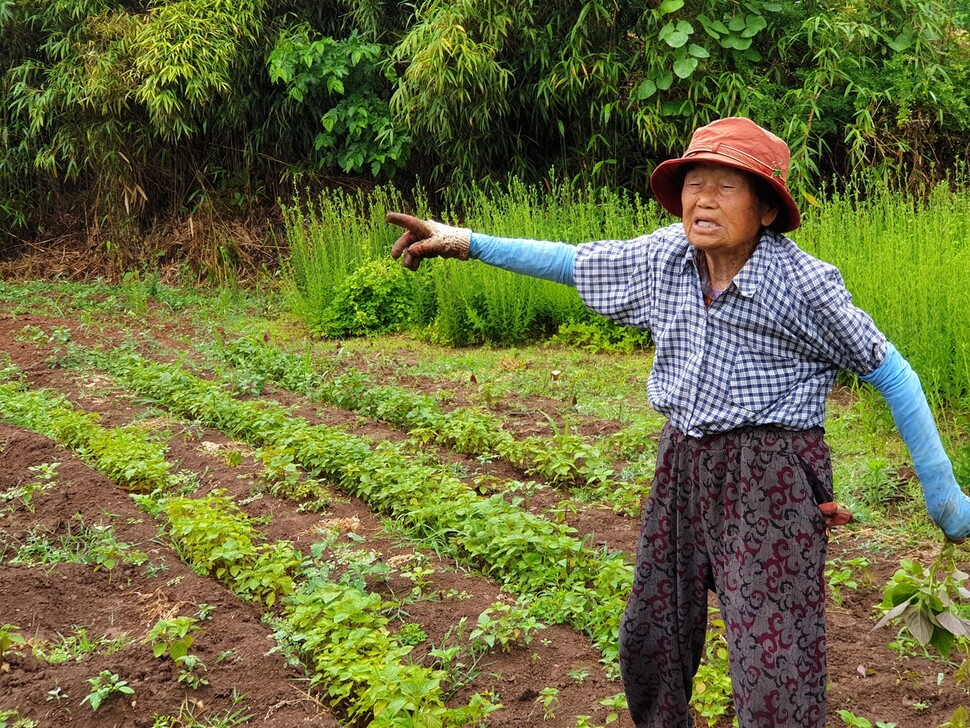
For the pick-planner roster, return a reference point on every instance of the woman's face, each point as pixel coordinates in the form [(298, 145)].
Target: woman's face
[(722, 211)]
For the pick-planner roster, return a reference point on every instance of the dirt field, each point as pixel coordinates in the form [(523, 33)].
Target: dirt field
[(247, 681)]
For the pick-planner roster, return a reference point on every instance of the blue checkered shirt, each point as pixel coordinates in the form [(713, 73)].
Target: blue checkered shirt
[(767, 350)]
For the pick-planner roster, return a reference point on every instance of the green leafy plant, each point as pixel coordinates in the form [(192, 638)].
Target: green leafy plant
[(855, 721), (173, 636), (925, 601), (579, 674), (194, 714), (13, 719), (94, 544), (347, 76), (376, 298), (525, 551), (78, 645), (191, 667), (504, 626), (9, 636), (56, 693), (130, 455), (615, 705), (845, 574), (214, 535), (548, 699), (46, 474), (103, 686), (411, 633)]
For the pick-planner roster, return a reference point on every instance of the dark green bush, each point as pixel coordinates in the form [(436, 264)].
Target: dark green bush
[(381, 296)]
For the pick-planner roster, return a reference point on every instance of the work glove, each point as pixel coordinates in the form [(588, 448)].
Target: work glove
[(427, 239)]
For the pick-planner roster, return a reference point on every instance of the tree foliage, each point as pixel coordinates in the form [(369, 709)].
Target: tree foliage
[(128, 111)]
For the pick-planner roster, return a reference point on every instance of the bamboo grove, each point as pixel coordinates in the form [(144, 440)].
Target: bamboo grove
[(121, 114)]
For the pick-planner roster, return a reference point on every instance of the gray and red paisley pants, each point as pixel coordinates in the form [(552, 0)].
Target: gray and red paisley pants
[(736, 513)]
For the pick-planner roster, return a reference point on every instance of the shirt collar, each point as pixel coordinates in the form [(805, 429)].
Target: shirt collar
[(748, 280), (750, 276)]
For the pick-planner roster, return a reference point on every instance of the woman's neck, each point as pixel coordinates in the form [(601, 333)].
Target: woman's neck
[(723, 267)]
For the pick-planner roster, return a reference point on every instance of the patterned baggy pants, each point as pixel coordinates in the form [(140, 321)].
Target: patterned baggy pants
[(736, 513)]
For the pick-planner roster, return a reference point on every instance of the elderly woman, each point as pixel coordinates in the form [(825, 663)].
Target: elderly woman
[(750, 332)]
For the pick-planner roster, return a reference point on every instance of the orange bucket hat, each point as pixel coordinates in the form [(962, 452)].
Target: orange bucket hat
[(734, 142)]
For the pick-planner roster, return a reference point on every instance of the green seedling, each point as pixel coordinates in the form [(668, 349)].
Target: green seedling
[(845, 574), (190, 674), (855, 721), (411, 634), (503, 626), (191, 712), (615, 705), (549, 700), (103, 686), (13, 719), (173, 636), (712, 696), (45, 474), (57, 693), (9, 636), (78, 645), (96, 545)]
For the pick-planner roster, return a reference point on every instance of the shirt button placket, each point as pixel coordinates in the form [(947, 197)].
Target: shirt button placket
[(695, 368)]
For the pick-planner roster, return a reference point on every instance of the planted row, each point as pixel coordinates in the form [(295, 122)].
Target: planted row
[(128, 455), (531, 556), (563, 460), (338, 630)]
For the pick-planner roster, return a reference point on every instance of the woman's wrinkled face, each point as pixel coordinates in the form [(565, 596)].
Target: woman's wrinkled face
[(722, 212)]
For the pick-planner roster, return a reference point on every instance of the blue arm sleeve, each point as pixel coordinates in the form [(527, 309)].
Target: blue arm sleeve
[(536, 258), (946, 503)]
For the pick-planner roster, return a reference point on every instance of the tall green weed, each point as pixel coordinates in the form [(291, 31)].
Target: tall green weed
[(906, 262), (330, 238), (336, 240)]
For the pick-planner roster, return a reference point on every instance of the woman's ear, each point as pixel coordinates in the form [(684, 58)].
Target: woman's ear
[(769, 214)]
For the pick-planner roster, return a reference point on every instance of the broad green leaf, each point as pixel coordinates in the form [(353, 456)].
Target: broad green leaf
[(670, 6), (684, 67), (901, 42), (698, 51), (671, 108), (954, 624), (942, 641), (918, 625), (892, 614), (711, 26), (737, 24), (676, 35), (665, 81), (754, 24)]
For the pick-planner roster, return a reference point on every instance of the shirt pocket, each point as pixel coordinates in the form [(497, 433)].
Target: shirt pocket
[(760, 379)]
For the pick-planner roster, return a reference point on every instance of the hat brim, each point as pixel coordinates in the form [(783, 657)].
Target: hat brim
[(666, 183)]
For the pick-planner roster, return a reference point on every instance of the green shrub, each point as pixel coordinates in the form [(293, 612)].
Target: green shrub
[(379, 297)]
